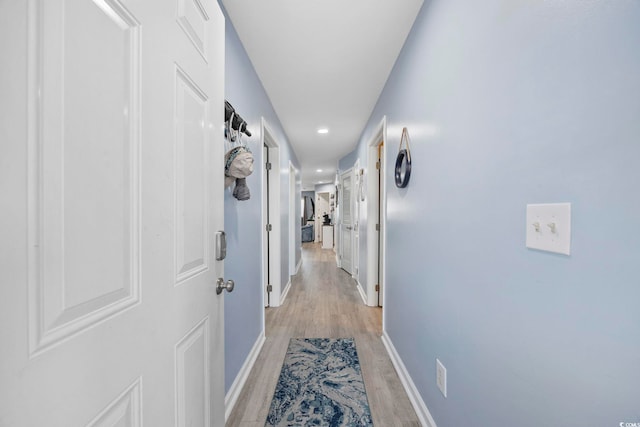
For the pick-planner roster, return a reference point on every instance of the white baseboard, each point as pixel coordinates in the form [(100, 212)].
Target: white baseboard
[(362, 294), (234, 391), (285, 292), (414, 396), (299, 265)]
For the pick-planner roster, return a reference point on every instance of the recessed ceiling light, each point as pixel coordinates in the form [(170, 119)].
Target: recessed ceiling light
[(323, 130), (318, 170)]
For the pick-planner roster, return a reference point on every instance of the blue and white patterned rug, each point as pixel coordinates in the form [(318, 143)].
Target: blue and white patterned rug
[(320, 384)]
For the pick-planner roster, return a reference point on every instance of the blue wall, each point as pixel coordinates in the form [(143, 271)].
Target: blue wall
[(348, 161), (510, 103), (325, 188), (244, 307)]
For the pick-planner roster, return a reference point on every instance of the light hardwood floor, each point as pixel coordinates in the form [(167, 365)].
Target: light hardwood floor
[(324, 303)]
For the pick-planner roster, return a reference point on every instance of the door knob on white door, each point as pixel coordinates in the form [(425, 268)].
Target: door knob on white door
[(221, 285)]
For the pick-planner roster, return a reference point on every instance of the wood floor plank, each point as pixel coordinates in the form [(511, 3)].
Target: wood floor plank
[(324, 303)]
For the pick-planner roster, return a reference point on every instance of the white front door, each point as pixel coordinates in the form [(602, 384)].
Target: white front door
[(111, 180), (346, 221)]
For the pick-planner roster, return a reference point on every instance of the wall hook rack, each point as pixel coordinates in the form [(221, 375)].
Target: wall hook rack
[(233, 120)]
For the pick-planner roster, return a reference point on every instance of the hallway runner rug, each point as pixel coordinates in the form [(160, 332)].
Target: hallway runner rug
[(320, 384)]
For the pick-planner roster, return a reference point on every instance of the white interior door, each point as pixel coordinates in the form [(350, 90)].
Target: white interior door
[(380, 201), (355, 215), (346, 221), (266, 214), (109, 313)]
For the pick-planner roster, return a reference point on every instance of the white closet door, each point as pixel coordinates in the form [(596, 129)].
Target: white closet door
[(346, 221)]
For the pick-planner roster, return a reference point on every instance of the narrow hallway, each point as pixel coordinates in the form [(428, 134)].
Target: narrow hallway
[(324, 303)]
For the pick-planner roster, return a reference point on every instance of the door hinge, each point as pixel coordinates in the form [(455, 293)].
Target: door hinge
[(378, 164), (269, 288), (269, 227), (377, 288), (268, 166), (377, 227)]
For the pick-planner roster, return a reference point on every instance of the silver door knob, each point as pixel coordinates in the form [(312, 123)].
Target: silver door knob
[(221, 285)]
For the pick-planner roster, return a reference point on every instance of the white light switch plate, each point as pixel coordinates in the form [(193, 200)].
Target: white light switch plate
[(549, 227)]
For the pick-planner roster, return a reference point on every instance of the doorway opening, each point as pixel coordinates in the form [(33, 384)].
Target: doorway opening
[(322, 208), (271, 230)]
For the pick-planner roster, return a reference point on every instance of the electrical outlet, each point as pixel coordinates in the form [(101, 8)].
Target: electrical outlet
[(441, 377)]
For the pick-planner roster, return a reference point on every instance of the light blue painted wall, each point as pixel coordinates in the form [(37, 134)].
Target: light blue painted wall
[(244, 307), (348, 161), (325, 188), (510, 103)]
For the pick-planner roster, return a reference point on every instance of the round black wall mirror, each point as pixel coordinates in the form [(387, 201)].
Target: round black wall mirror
[(403, 161), (403, 168)]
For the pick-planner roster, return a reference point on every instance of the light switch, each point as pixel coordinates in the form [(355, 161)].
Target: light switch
[(549, 227)]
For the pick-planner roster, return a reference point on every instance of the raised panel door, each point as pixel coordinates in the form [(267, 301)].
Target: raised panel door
[(346, 221), (111, 176)]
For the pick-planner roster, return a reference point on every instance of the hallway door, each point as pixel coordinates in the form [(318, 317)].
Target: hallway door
[(267, 226), (112, 197), (355, 220), (346, 221), (379, 224), (271, 241)]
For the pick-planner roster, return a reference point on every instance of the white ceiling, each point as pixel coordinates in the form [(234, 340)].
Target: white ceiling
[(323, 63)]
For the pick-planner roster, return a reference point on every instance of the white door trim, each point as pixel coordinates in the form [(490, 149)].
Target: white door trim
[(292, 219), (379, 135)]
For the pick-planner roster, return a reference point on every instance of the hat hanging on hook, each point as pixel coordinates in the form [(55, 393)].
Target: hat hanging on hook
[(239, 159)]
